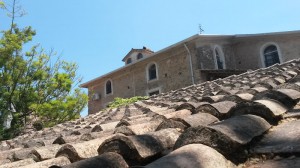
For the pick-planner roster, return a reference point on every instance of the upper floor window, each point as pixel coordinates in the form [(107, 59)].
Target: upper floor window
[(219, 58), (271, 55), (140, 56), (128, 61), (152, 71), (108, 87)]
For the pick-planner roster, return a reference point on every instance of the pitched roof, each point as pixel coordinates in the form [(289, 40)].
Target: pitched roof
[(234, 37), (247, 120), (143, 50)]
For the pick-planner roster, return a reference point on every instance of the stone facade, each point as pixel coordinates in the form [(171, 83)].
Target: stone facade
[(194, 60)]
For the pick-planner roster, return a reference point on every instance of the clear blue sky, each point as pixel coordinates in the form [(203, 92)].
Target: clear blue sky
[(97, 34)]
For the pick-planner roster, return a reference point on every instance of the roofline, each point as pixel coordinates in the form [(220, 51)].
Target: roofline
[(268, 34), (253, 35), (85, 85), (138, 50)]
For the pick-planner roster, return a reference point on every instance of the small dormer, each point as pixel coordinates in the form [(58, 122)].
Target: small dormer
[(136, 54)]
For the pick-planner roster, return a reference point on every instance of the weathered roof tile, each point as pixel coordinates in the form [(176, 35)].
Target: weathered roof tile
[(218, 110), (19, 163), (276, 95), (108, 160), (212, 99), (138, 129), (192, 156), (276, 107), (140, 148), (258, 109), (180, 113), (46, 152), (282, 163), (267, 96), (229, 137), (283, 139), (197, 119), (82, 150), (293, 94), (59, 161)]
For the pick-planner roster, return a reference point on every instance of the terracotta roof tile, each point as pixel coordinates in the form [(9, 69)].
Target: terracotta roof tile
[(282, 139), (59, 161), (279, 163), (18, 163), (108, 159), (140, 149), (229, 137), (249, 120), (218, 110), (82, 150), (192, 156), (138, 129)]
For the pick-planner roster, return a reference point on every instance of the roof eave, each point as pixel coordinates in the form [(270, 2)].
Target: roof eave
[(268, 34)]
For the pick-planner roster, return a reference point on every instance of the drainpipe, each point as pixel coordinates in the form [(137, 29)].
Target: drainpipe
[(190, 61)]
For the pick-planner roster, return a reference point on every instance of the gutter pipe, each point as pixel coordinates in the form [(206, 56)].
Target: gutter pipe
[(190, 62)]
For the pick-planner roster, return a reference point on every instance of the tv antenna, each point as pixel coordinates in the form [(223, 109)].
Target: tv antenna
[(200, 29)]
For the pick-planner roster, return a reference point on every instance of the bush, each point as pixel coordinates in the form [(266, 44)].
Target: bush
[(125, 101), (38, 126)]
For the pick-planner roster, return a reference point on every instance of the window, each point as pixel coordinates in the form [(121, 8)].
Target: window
[(128, 61), (219, 58), (152, 72), (140, 56), (154, 93), (108, 87), (271, 55), (219, 61)]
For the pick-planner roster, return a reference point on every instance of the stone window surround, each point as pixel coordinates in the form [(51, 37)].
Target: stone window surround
[(262, 56), (129, 60), (153, 90), (147, 72), (112, 90), (221, 53), (139, 56)]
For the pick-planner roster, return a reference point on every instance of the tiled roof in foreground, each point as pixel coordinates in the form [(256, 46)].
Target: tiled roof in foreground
[(250, 120)]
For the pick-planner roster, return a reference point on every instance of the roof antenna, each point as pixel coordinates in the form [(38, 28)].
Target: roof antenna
[(200, 29)]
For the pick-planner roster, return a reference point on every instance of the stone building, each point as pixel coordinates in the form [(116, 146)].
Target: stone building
[(196, 59)]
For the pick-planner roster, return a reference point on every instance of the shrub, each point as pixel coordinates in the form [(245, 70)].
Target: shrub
[(125, 101)]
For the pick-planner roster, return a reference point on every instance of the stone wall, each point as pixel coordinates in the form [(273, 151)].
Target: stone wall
[(173, 73), (248, 50), (173, 64)]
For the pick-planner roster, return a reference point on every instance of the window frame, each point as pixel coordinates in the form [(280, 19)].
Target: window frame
[(262, 53), (111, 87), (218, 49), (158, 89), (148, 74), (139, 56), (128, 60)]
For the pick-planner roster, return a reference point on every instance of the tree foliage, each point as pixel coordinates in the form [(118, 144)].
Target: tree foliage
[(33, 86)]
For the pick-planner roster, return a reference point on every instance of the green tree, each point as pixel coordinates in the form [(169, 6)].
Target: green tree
[(33, 86)]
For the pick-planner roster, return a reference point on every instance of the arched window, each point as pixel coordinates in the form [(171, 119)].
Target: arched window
[(219, 58), (108, 87), (129, 60), (140, 56), (271, 55), (152, 71)]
